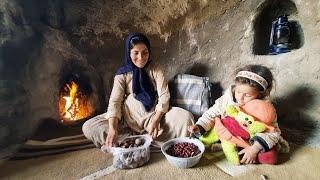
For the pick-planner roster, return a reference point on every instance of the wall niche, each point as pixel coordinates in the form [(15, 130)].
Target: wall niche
[(268, 12)]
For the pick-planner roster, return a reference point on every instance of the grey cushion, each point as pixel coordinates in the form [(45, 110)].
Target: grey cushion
[(190, 92)]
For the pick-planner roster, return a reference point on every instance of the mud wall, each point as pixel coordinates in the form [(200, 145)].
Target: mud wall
[(209, 38)]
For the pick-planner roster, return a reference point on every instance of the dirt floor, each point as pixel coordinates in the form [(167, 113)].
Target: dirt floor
[(302, 163)]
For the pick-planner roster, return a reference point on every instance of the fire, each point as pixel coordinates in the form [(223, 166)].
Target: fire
[(73, 104)]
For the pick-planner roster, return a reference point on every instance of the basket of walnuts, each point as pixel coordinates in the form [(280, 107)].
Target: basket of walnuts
[(131, 152)]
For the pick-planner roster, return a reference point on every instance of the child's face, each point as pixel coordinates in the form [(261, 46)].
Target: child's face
[(139, 55), (244, 93)]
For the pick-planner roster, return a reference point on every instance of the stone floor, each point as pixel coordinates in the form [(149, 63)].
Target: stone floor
[(302, 163)]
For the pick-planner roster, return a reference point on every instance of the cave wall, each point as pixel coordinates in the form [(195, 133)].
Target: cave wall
[(210, 38)]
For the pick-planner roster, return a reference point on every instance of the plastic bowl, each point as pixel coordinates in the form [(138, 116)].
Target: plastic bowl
[(183, 162), (129, 158)]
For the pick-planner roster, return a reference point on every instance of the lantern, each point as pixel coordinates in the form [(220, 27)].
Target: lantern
[(280, 36)]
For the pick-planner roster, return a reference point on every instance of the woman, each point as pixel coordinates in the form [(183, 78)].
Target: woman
[(140, 96)]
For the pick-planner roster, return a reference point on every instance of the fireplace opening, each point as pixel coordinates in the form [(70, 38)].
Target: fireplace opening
[(75, 99), (79, 96)]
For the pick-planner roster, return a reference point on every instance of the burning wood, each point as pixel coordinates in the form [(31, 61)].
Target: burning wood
[(73, 104)]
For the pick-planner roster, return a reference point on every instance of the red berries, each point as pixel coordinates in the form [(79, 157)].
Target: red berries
[(184, 150)]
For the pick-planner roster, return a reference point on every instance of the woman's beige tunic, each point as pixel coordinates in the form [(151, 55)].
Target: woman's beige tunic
[(123, 105)]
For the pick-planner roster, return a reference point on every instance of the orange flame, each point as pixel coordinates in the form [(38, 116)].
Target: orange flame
[(74, 105), (71, 106)]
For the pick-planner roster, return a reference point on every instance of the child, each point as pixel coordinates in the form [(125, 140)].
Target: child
[(251, 82)]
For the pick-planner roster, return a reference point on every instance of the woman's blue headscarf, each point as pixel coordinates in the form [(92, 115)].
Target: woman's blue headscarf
[(141, 84)]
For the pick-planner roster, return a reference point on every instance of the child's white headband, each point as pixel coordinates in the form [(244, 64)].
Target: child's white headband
[(255, 77)]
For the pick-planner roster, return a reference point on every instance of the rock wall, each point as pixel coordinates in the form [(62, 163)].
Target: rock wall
[(211, 38)]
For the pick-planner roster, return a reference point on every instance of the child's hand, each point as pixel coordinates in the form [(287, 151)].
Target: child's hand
[(250, 153), (193, 129)]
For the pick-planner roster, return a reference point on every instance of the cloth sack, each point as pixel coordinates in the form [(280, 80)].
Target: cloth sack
[(190, 92)]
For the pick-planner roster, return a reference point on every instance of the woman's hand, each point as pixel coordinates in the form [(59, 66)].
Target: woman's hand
[(155, 120), (111, 137), (250, 153), (154, 129), (112, 132)]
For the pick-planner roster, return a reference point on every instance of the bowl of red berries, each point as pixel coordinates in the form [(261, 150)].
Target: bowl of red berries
[(183, 152)]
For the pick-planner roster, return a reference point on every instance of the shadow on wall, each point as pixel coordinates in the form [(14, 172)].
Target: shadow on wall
[(15, 55), (199, 69), (270, 10), (297, 35), (296, 125), (15, 102)]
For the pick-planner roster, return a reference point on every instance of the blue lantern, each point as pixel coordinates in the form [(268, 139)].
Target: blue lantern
[(280, 36)]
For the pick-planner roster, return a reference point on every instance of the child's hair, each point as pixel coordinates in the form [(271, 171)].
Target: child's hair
[(260, 70)]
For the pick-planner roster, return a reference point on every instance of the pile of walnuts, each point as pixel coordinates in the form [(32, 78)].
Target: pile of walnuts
[(131, 142)]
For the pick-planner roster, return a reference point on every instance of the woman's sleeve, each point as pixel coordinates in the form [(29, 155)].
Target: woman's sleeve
[(116, 97), (268, 139), (162, 90), (217, 109)]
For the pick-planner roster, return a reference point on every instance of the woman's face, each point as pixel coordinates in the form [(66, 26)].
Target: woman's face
[(139, 55), (244, 93)]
